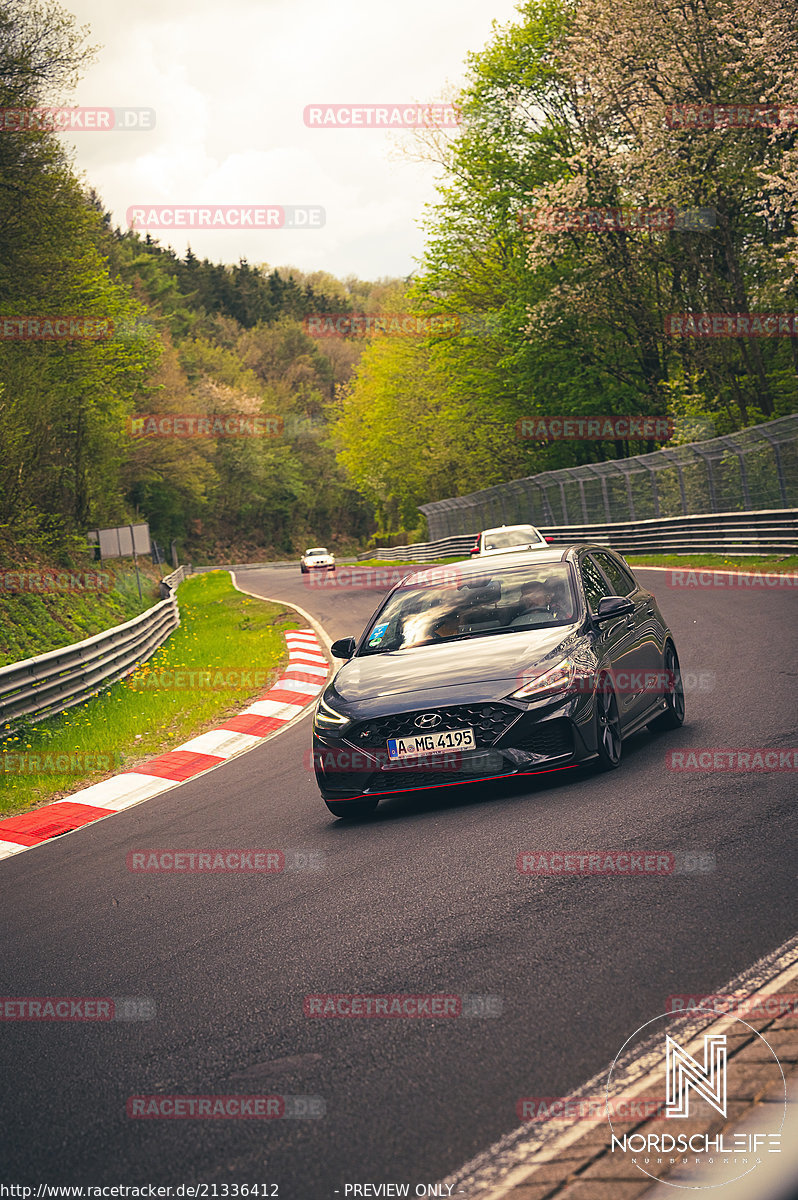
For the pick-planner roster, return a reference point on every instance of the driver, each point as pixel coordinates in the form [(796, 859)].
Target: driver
[(446, 627), (536, 604)]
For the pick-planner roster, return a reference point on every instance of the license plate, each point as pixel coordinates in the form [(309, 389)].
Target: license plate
[(431, 743)]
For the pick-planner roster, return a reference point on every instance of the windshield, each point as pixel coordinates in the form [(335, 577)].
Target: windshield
[(501, 539), (318, 550), (497, 601)]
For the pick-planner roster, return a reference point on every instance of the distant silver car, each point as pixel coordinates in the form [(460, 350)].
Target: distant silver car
[(506, 538), (318, 557)]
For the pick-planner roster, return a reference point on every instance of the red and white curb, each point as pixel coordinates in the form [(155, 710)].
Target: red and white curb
[(303, 679)]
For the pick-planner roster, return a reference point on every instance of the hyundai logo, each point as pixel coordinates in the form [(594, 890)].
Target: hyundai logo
[(428, 720)]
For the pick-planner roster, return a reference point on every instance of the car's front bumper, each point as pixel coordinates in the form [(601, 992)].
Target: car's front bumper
[(549, 736)]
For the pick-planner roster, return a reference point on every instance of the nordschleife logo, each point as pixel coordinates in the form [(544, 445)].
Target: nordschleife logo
[(683, 1073), (694, 1057)]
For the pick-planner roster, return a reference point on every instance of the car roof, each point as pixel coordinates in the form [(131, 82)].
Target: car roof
[(520, 558), (509, 528)]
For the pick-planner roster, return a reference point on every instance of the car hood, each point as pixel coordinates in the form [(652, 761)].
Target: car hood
[(488, 665)]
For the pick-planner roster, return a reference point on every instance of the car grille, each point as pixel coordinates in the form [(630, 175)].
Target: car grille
[(550, 738), (488, 721)]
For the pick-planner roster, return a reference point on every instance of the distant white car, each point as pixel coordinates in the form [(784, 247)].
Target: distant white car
[(317, 558), (508, 537)]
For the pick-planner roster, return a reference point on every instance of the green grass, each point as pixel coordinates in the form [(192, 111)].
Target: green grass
[(36, 621), (741, 562), (223, 634)]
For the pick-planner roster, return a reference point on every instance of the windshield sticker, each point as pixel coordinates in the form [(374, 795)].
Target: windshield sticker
[(377, 634)]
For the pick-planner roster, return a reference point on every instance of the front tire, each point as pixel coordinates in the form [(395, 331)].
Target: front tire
[(352, 809), (304, 570), (673, 716), (609, 743)]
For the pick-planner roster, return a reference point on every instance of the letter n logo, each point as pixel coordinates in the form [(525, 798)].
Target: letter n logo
[(683, 1073)]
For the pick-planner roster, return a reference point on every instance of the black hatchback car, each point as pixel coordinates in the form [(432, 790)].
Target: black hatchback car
[(493, 668)]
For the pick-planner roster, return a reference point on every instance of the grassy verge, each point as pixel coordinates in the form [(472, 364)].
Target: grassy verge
[(44, 606), (228, 649), (741, 562), (725, 562)]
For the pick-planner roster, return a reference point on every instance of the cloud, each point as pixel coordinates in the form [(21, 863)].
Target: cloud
[(229, 83)]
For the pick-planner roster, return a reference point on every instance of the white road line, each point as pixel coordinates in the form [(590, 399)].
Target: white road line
[(8, 848), (224, 742), (121, 790), (273, 708), (286, 684), (320, 673)]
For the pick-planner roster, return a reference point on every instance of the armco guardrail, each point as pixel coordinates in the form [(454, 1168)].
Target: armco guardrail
[(773, 531), (770, 532), (173, 580), (50, 683), (425, 551)]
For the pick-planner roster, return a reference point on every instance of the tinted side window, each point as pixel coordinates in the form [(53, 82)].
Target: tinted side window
[(595, 584), (621, 580)]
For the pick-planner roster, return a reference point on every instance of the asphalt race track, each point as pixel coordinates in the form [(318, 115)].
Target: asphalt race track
[(423, 898)]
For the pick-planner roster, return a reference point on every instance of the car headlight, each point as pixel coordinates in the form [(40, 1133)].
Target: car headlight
[(561, 678), (329, 718)]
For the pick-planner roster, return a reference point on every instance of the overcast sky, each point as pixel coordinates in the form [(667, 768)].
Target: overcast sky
[(229, 82)]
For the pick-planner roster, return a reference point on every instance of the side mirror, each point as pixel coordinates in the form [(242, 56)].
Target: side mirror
[(343, 648), (613, 606)]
